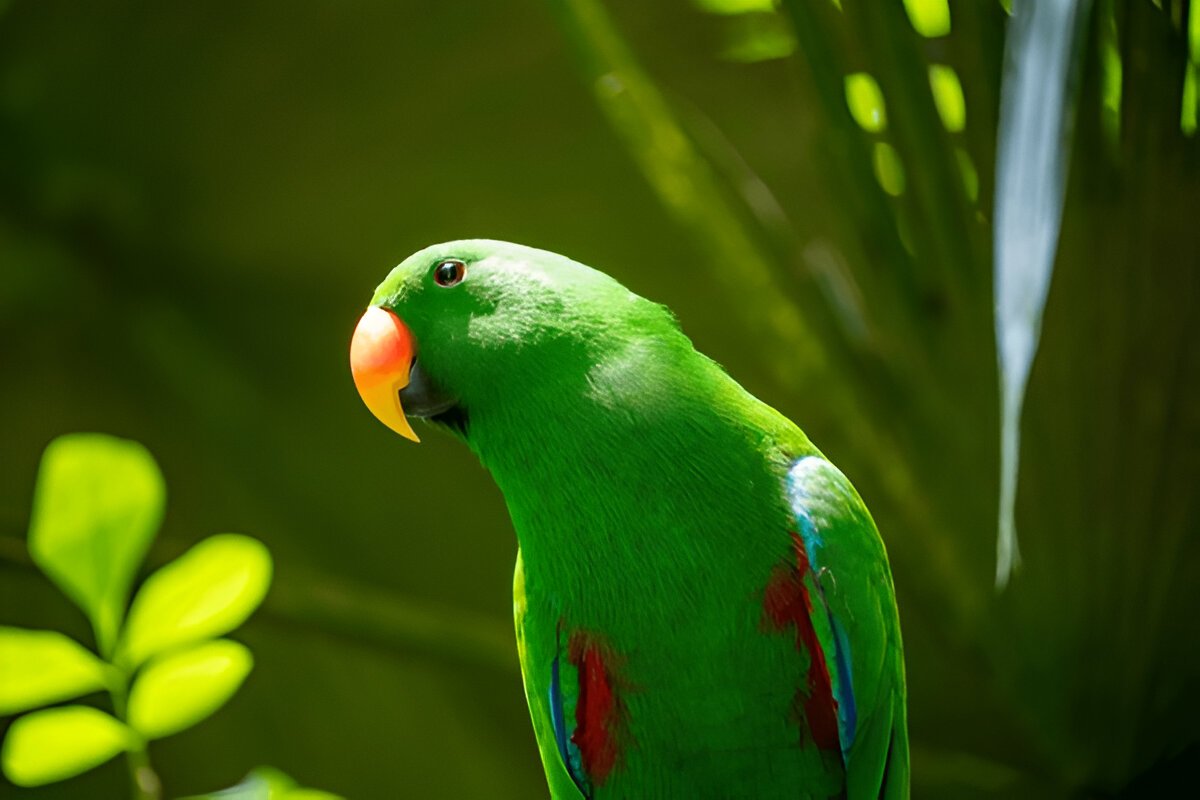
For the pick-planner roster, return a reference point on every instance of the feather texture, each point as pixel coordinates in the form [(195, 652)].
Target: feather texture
[(703, 605)]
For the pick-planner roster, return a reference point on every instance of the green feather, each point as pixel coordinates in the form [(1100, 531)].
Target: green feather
[(647, 492)]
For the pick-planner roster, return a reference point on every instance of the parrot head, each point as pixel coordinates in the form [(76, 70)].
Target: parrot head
[(479, 323)]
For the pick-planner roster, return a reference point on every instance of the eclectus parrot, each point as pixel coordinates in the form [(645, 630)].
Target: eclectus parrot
[(703, 604)]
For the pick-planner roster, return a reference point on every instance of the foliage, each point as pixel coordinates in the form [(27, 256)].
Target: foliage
[(196, 200), (267, 783), (897, 336), (96, 509)]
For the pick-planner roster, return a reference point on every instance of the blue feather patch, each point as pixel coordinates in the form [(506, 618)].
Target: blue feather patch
[(556, 712), (810, 481), (568, 751)]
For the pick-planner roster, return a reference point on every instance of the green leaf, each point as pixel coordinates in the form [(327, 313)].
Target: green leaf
[(1187, 114), (96, 508), (930, 18), (268, 783), (888, 169), (758, 37), (948, 97), (735, 6), (59, 743), (206, 592), (40, 667), (176, 691), (1043, 50), (263, 783), (865, 99)]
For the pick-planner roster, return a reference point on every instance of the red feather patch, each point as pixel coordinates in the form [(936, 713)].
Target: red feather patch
[(787, 603), (598, 712)]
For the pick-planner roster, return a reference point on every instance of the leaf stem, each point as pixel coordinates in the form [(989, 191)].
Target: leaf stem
[(144, 781)]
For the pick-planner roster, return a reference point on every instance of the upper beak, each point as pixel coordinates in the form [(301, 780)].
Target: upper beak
[(381, 356)]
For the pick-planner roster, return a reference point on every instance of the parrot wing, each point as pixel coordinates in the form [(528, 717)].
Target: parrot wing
[(543, 691), (854, 618), (856, 689)]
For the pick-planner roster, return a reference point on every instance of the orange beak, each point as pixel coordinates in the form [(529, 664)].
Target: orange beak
[(381, 355)]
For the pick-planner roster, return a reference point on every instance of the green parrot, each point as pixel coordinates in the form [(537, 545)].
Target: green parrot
[(703, 604)]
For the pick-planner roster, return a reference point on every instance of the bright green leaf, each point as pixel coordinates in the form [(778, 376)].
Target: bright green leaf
[(176, 691), (206, 592), (97, 506), (268, 783), (734, 6), (1111, 70), (1187, 114), (1194, 34), (948, 97), (865, 100), (59, 743), (263, 783), (888, 169), (40, 667), (930, 18), (275, 782)]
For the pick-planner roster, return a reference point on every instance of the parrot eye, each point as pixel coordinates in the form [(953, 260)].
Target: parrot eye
[(449, 272)]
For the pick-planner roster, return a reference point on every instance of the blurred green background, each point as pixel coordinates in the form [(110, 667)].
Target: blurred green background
[(197, 199)]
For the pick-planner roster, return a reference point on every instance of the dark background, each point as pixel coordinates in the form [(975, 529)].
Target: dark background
[(197, 200)]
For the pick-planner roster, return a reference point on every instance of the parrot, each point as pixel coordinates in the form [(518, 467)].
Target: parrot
[(703, 604)]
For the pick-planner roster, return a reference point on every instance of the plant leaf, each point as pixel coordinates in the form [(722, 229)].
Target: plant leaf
[(751, 38), (40, 667), (735, 6), (930, 18), (96, 508), (268, 783), (206, 592), (176, 691), (262, 783), (1032, 153), (59, 743)]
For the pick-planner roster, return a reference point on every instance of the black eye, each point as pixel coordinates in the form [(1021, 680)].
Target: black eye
[(449, 272)]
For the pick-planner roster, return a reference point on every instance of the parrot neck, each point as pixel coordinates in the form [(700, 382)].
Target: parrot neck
[(633, 459)]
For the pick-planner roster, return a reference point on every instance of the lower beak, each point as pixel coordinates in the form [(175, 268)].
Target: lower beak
[(381, 356)]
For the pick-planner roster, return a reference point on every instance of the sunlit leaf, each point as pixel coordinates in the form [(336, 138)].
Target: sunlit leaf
[(263, 783), (888, 169), (865, 100), (1187, 113), (97, 506), (174, 692), (948, 96), (734, 6), (59, 743), (1194, 34), (1111, 74), (268, 783), (1031, 165), (40, 667), (206, 592), (930, 18)]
